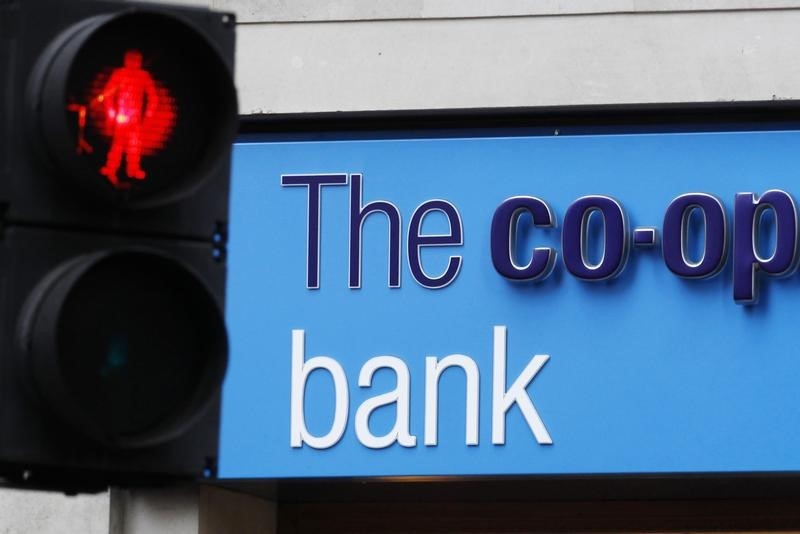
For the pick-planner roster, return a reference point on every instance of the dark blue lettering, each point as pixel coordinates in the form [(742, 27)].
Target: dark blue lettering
[(417, 241), (504, 242), (675, 236), (575, 234), (358, 214), (746, 260), (314, 183)]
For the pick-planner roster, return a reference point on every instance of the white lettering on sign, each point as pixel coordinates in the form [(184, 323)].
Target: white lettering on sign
[(433, 370), (300, 371), (502, 399), (400, 396)]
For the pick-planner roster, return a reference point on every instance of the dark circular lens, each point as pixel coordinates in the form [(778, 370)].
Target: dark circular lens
[(136, 108), (136, 344)]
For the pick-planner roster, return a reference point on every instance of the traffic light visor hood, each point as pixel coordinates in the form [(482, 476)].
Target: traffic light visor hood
[(135, 107), (128, 347)]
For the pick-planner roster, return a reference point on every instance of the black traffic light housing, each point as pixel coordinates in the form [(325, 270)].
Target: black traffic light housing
[(116, 123)]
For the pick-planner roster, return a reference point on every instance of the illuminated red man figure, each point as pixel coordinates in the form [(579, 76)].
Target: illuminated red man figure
[(130, 98)]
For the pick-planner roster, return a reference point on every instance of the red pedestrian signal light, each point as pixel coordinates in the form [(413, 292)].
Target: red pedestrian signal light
[(134, 112), (116, 125), (136, 107)]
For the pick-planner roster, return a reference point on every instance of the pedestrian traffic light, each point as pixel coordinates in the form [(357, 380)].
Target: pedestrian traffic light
[(115, 135)]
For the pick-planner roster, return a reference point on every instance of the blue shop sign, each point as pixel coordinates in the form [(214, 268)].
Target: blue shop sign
[(513, 302)]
